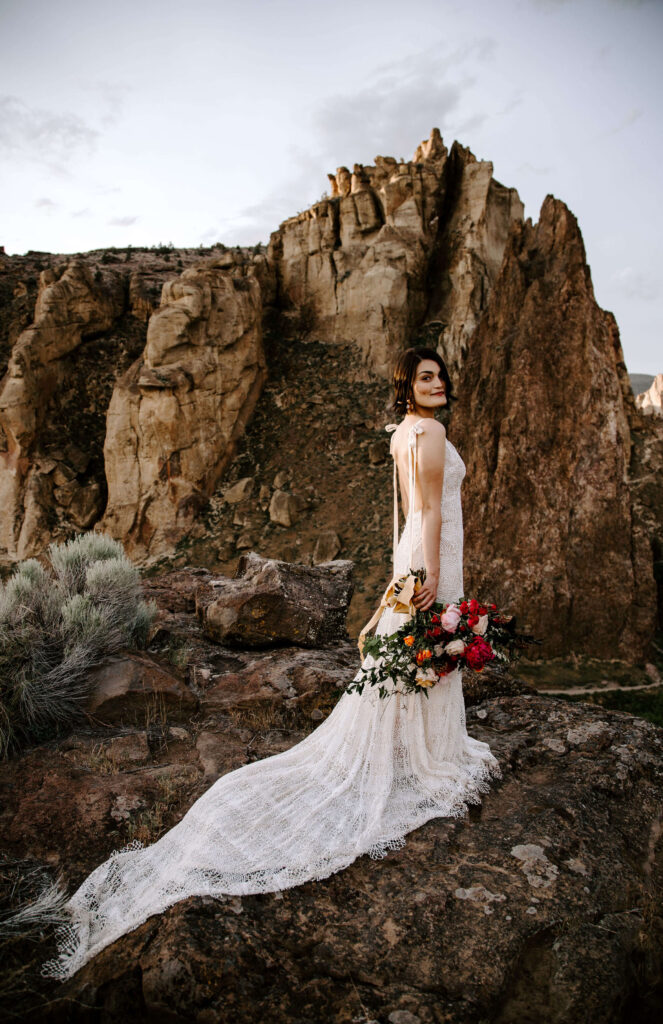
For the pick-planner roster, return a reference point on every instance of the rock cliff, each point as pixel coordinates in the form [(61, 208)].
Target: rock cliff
[(546, 404), (397, 245), (651, 400), (200, 403), (176, 414)]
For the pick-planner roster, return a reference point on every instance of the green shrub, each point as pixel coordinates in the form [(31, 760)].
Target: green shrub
[(54, 626)]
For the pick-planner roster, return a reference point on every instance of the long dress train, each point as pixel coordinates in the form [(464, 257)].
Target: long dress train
[(373, 771)]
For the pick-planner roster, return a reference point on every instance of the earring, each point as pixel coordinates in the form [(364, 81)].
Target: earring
[(410, 405)]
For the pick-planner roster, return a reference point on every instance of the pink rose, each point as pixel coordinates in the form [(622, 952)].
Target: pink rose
[(451, 618)]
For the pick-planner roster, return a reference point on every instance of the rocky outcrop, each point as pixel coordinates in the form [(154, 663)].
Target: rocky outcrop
[(71, 306), (543, 427), (543, 902), (651, 401), (400, 252), (545, 898), (395, 247), (176, 414), (272, 602)]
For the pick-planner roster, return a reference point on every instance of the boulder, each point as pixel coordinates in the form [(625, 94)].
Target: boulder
[(283, 508), (271, 602), (327, 546), (124, 686), (238, 491), (286, 676)]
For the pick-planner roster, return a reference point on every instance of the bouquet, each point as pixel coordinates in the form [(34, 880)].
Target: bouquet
[(432, 643)]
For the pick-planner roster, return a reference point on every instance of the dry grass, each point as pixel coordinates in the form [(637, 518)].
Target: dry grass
[(150, 824), (95, 760)]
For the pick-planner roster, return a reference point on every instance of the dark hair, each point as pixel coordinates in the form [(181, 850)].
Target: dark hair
[(405, 372)]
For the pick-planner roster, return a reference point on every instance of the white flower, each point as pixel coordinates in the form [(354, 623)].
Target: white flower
[(455, 647), (480, 626), (426, 677)]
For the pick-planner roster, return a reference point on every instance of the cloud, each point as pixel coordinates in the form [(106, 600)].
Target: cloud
[(528, 168), (112, 95), (402, 101), (625, 122), (85, 212), (396, 108), (43, 136), (122, 222), (637, 284), (44, 201)]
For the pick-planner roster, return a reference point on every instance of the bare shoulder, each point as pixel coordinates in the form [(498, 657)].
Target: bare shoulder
[(434, 430)]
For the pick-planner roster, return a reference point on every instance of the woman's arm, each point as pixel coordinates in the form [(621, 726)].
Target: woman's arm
[(431, 452)]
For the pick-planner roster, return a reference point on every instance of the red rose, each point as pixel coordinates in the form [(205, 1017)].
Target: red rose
[(474, 606), (463, 607), (493, 607)]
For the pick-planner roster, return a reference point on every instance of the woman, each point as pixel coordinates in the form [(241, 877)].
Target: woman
[(368, 775)]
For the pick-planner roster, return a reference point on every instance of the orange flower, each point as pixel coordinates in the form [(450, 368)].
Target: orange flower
[(408, 640), (423, 656)]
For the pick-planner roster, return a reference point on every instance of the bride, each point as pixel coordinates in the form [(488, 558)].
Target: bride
[(373, 771)]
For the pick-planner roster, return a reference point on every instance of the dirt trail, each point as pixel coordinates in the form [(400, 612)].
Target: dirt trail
[(574, 691)]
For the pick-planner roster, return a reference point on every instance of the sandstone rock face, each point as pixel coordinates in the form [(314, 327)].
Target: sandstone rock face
[(68, 329), (651, 401), (174, 417), (397, 245), (276, 602), (400, 253), (543, 427), (70, 307)]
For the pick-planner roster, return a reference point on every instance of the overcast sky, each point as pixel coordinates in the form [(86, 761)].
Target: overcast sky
[(212, 120)]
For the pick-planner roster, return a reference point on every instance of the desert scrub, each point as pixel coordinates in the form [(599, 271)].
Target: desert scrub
[(55, 625)]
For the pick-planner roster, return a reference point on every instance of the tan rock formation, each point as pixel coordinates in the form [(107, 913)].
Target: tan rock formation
[(175, 415), (543, 426), (70, 307), (651, 401), (396, 246)]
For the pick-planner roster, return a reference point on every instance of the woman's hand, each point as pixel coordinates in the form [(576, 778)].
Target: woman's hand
[(426, 595)]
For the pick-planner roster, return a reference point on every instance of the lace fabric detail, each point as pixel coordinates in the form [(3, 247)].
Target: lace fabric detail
[(372, 772)]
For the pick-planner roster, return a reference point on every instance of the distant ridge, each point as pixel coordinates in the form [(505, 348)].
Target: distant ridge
[(641, 382)]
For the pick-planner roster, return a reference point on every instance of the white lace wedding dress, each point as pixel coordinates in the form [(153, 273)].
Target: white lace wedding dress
[(373, 771)]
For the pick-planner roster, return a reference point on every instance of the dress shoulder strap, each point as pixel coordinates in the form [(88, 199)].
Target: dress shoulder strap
[(415, 429), (392, 427)]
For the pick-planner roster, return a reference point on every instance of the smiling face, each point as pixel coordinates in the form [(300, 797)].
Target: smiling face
[(428, 387)]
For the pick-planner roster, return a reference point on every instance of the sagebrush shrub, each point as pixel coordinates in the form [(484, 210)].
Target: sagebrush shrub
[(55, 626)]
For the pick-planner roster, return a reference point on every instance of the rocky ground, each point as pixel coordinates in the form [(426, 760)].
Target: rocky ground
[(543, 903)]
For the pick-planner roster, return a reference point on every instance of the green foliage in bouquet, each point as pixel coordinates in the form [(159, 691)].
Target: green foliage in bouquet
[(432, 643), (54, 626)]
